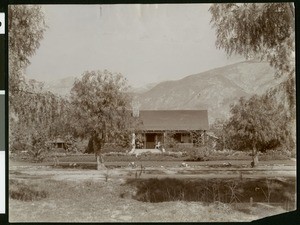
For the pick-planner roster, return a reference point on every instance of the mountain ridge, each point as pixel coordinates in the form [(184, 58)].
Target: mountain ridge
[(213, 90)]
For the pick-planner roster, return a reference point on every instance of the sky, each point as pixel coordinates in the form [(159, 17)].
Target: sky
[(146, 43)]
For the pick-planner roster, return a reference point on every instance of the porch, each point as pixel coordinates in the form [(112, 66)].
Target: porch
[(162, 139)]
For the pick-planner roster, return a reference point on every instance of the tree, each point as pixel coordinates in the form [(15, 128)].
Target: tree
[(265, 31), (218, 129), (100, 102), (28, 103), (260, 30), (258, 123), (36, 115), (26, 27), (37, 118), (279, 98)]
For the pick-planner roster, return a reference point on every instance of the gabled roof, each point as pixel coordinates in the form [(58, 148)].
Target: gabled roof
[(173, 120)]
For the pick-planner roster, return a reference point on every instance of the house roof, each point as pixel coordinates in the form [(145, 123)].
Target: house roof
[(174, 120)]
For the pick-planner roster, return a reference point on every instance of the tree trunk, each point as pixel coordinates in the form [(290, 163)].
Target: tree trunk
[(100, 161), (254, 156), (97, 146)]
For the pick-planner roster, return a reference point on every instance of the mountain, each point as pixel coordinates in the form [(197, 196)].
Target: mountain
[(61, 86), (142, 89), (213, 90)]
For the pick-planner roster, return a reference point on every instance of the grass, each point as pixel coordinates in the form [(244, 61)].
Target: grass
[(37, 188), (26, 192), (207, 155), (190, 155)]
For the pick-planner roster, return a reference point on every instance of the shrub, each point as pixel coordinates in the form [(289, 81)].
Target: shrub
[(113, 147), (198, 153), (24, 192), (170, 141)]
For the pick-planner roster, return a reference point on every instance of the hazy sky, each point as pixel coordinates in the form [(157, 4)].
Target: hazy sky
[(146, 43)]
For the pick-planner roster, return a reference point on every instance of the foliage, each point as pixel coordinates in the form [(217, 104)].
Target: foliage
[(198, 154), (197, 137), (218, 130), (169, 140), (38, 146), (100, 102), (264, 30), (37, 117), (24, 192), (280, 97), (113, 147), (261, 122), (35, 114), (72, 145), (94, 143), (249, 124), (26, 27)]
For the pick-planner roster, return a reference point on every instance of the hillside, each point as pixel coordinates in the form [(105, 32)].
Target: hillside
[(213, 90), (63, 86)]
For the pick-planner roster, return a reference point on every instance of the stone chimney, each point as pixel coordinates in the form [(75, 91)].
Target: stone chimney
[(135, 108)]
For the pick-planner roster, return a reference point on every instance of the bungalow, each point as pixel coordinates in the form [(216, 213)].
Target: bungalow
[(157, 125)]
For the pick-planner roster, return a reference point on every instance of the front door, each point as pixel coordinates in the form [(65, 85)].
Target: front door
[(150, 141)]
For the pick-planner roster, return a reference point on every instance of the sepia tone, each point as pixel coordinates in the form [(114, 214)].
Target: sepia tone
[(152, 113)]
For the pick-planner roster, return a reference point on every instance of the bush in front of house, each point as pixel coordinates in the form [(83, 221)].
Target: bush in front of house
[(197, 153)]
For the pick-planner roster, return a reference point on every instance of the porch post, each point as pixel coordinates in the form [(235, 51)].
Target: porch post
[(203, 137)]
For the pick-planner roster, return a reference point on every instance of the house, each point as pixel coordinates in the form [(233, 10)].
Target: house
[(156, 127)]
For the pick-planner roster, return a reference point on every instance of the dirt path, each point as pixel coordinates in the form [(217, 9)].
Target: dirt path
[(75, 174)]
